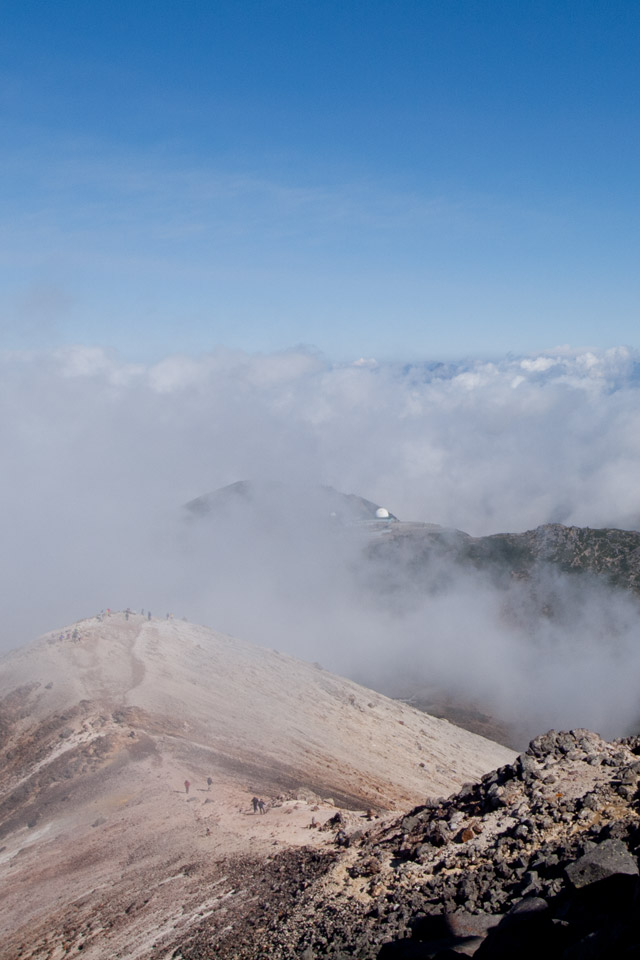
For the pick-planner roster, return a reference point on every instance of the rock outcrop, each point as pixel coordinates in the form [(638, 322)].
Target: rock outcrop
[(610, 555)]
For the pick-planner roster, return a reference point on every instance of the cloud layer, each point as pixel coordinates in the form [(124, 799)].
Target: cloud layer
[(100, 454)]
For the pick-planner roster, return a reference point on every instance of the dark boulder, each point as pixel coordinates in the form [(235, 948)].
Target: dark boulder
[(607, 859), (527, 932)]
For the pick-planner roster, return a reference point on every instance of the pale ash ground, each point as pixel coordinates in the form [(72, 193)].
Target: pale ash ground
[(118, 856)]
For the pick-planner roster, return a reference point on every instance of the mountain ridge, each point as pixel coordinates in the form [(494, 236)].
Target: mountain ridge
[(609, 553), (130, 749)]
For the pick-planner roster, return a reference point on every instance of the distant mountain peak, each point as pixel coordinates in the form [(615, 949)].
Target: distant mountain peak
[(275, 496)]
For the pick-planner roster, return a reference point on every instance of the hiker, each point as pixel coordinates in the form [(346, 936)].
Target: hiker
[(255, 802), (187, 784), (262, 806), (209, 782)]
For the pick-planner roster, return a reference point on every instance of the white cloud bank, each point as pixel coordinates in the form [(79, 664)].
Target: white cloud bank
[(100, 454)]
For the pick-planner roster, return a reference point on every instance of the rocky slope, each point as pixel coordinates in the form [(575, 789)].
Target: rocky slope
[(130, 749), (105, 850), (540, 859)]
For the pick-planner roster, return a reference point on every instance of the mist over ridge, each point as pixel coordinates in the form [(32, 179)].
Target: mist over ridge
[(102, 454)]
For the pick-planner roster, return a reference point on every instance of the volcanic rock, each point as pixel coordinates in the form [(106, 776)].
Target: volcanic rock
[(565, 886), (607, 859)]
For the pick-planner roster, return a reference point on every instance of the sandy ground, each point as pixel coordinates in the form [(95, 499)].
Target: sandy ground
[(101, 847), (140, 858)]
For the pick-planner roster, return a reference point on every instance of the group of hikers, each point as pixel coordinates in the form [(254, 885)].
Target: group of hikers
[(69, 635), (129, 612), (259, 805), (187, 784)]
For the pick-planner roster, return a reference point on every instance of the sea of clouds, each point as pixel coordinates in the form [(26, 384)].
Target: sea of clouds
[(101, 454)]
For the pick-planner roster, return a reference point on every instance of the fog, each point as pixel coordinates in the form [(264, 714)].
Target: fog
[(101, 454)]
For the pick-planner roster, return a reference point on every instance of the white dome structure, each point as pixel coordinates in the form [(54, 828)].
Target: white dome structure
[(382, 513)]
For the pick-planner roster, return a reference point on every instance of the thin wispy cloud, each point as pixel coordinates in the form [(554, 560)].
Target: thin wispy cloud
[(167, 247), (94, 179)]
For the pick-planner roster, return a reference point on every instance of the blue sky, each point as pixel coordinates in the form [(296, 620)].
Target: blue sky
[(398, 180)]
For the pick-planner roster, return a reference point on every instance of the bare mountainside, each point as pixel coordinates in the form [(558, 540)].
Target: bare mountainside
[(103, 845)]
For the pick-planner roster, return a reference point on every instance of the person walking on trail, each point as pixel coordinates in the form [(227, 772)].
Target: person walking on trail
[(255, 802), (209, 782), (187, 784), (342, 840), (262, 805)]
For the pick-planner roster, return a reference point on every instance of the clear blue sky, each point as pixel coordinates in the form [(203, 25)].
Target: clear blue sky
[(390, 179)]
